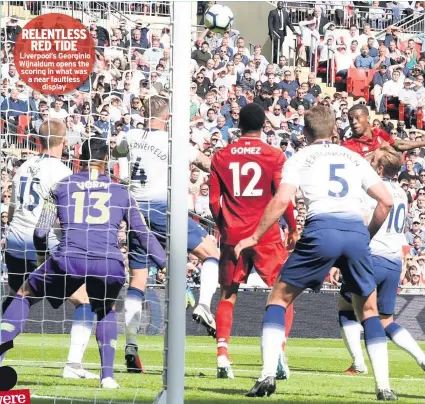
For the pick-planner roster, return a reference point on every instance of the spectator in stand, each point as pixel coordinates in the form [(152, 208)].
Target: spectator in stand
[(350, 36), (288, 84), (326, 49), (391, 89), (284, 147), (223, 128), (408, 98), (401, 133), (364, 61), (422, 220), (12, 108), (281, 66), (392, 35), (387, 125), (240, 98), (263, 99), (299, 100), (417, 246), (413, 282), (415, 231), (343, 60), (372, 51), (321, 20), (337, 8), (408, 171), (260, 59), (376, 16), (203, 85), (366, 35), (278, 21), (247, 82), (354, 50), (195, 182), (270, 84), (310, 38), (233, 122), (202, 202), (379, 79), (382, 58)]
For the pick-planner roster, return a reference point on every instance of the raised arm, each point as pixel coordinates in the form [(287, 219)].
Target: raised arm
[(136, 223), (45, 223), (403, 145)]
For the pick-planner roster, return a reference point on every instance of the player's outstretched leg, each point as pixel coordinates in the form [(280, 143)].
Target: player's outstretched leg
[(273, 336), (82, 325), (283, 371), (403, 339), (351, 333), (376, 343), (224, 320), (106, 336), (207, 251), (14, 318), (133, 313)]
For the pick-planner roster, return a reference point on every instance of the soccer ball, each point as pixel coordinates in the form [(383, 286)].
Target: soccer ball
[(218, 18)]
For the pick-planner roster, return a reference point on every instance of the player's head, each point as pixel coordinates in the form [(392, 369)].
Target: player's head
[(94, 153), (319, 123), (386, 162), (251, 119), (52, 136), (358, 116), (157, 112)]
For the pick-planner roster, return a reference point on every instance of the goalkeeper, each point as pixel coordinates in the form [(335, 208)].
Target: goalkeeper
[(90, 208), (31, 185)]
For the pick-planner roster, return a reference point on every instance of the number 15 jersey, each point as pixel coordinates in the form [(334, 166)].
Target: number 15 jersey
[(244, 178), (31, 185)]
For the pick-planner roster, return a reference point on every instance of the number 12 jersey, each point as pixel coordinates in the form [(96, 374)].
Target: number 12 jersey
[(244, 178)]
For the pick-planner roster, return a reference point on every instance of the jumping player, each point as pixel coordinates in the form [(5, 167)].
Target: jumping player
[(147, 151), (331, 179), (366, 140), (31, 185), (244, 177), (90, 209), (387, 266)]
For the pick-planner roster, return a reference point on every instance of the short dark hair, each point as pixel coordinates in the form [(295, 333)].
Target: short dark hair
[(94, 148), (359, 107), (251, 118)]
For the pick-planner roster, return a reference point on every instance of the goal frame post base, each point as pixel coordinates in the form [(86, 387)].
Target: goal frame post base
[(161, 397)]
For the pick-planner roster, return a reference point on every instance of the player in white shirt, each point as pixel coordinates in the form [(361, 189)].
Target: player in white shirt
[(147, 152), (387, 266), (31, 185), (331, 180)]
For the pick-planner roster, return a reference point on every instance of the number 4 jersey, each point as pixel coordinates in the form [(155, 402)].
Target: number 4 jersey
[(244, 178), (31, 185), (147, 151)]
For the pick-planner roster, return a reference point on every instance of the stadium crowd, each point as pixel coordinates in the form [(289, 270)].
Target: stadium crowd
[(134, 64)]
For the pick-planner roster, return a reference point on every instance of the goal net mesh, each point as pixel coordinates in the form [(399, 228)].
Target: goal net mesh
[(134, 54)]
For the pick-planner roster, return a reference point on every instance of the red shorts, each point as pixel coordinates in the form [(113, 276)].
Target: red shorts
[(268, 260)]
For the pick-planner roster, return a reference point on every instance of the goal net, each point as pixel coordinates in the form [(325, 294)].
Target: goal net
[(135, 60)]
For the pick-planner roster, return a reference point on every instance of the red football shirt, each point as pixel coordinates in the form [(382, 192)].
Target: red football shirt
[(244, 177), (364, 145)]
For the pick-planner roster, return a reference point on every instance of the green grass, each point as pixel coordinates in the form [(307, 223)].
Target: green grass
[(316, 377)]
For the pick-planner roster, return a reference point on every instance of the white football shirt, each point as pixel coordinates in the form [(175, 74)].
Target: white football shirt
[(331, 178), (147, 152), (390, 238), (31, 186)]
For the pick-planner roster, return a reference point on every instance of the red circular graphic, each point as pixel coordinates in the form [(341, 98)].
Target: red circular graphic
[(54, 54)]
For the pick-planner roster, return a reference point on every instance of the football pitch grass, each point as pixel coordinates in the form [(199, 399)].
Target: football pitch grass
[(316, 373)]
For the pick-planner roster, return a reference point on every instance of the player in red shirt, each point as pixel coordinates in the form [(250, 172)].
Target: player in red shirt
[(244, 177), (364, 140)]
